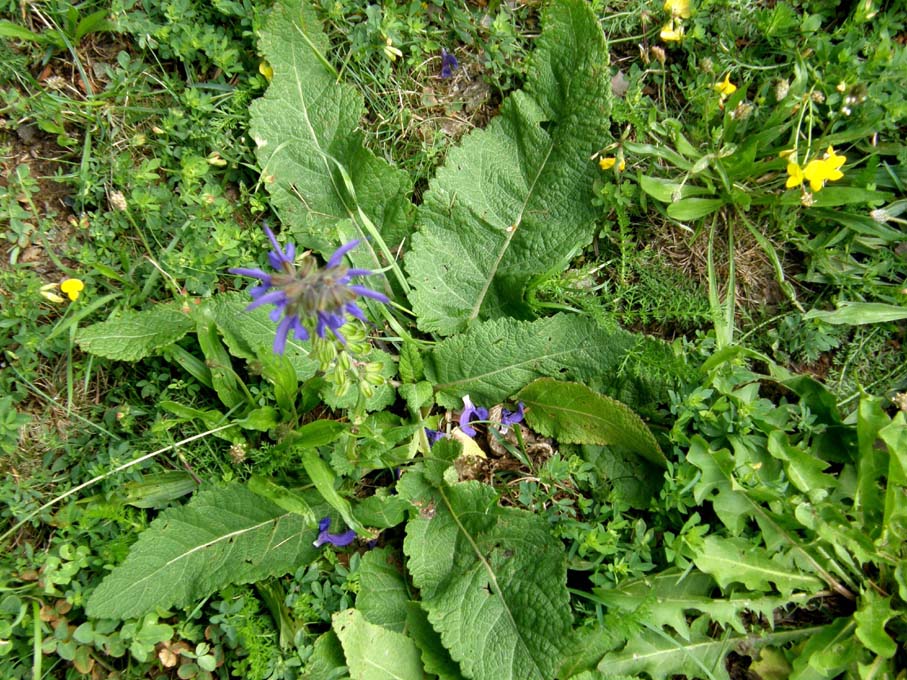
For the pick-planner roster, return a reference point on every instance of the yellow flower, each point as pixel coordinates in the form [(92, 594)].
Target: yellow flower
[(72, 288), (609, 162), (264, 68), (672, 33), (835, 161), (678, 8), (725, 87), (795, 175)]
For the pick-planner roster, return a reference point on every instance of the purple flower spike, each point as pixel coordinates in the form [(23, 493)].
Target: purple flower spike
[(512, 417), (338, 540), (307, 299), (449, 63), (470, 414)]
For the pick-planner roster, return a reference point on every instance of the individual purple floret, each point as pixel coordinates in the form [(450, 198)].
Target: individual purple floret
[(512, 417), (338, 540), (433, 435), (449, 63), (306, 295), (470, 414)]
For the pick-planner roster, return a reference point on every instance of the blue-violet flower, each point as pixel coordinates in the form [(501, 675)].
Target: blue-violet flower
[(471, 413), (338, 540), (512, 417), (306, 295), (433, 435), (449, 63)]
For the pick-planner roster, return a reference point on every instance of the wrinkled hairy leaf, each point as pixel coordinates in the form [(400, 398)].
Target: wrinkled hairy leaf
[(383, 597), (310, 148), (574, 414), (493, 580), (223, 535), (493, 360), (136, 335), (376, 653), (517, 195)]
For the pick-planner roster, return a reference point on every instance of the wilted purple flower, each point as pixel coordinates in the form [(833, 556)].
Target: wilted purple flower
[(320, 296), (433, 435), (449, 63), (338, 540), (512, 417), (470, 414)]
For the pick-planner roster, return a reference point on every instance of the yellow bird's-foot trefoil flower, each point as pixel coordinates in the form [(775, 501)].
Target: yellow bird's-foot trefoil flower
[(679, 9), (725, 87), (794, 175), (828, 169), (672, 31), (609, 162), (71, 288)]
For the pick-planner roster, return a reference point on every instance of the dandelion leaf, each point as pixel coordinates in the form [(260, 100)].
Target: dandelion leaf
[(135, 335), (492, 580), (223, 535), (311, 153), (517, 195)]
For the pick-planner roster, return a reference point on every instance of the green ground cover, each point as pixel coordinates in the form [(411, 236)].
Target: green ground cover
[(575, 346)]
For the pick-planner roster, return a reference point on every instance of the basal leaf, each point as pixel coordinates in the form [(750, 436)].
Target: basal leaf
[(223, 535), (574, 414), (250, 336), (661, 656), (136, 335), (320, 175), (435, 658), (736, 560), (376, 653), (495, 359), (383, 597), (517, 195), (871, 616), (493, 581)]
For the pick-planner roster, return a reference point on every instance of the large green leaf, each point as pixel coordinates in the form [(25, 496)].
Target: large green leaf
[(324, 183), (493, 580), (660, 655), (223, 535), (517, 195), (736, 560), (574, 414), (494, 359), (376, 653), (383, 597), (136, 335)]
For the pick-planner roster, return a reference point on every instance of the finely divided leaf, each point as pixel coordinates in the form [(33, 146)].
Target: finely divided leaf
[(495, 359), (223, 535), (309, 147), (493, 581), (574, 414), (136, 335), (517, 196)]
